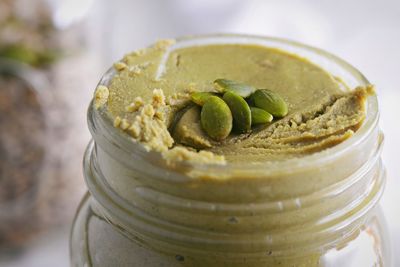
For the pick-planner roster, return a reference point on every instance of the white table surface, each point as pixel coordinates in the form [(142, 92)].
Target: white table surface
[(365, 33)]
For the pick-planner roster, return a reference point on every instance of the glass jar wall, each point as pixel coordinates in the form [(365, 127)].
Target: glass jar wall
[(318, 210)]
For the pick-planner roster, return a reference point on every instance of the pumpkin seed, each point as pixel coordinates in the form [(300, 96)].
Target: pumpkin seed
[(260, 116), (240, 111), (243, 90), (270, 102), (200, 97), (216, 118)]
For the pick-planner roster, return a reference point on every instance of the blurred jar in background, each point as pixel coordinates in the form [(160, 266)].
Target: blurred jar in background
[(22, 151), (47, 67)]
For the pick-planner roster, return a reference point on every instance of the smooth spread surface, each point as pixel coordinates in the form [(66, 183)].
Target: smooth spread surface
[(150, 104)]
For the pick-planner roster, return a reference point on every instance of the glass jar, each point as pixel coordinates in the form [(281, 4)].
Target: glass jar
[(317, 210), (23, 152), (33, 186)]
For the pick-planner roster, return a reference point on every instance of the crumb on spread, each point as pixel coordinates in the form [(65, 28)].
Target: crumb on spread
[(135, 105), (124, 124), (161, 45), (119, 66), (164, 43), (134, 70), (101, 96), (139, 52), (158, 98), (117, 121)]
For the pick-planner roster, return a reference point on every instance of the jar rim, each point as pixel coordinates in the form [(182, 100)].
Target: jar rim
[(345, 71)]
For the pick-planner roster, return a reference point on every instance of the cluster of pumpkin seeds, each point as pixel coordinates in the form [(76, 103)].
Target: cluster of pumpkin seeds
[(237, 106)]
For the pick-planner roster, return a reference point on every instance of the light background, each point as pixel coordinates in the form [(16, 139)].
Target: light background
[(364, 33)]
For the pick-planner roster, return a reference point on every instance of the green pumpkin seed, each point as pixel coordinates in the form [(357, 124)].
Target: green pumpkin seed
[(270, 102), (240, 111), (260, 116), (224, 85), (200, 97), (216, 118)]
